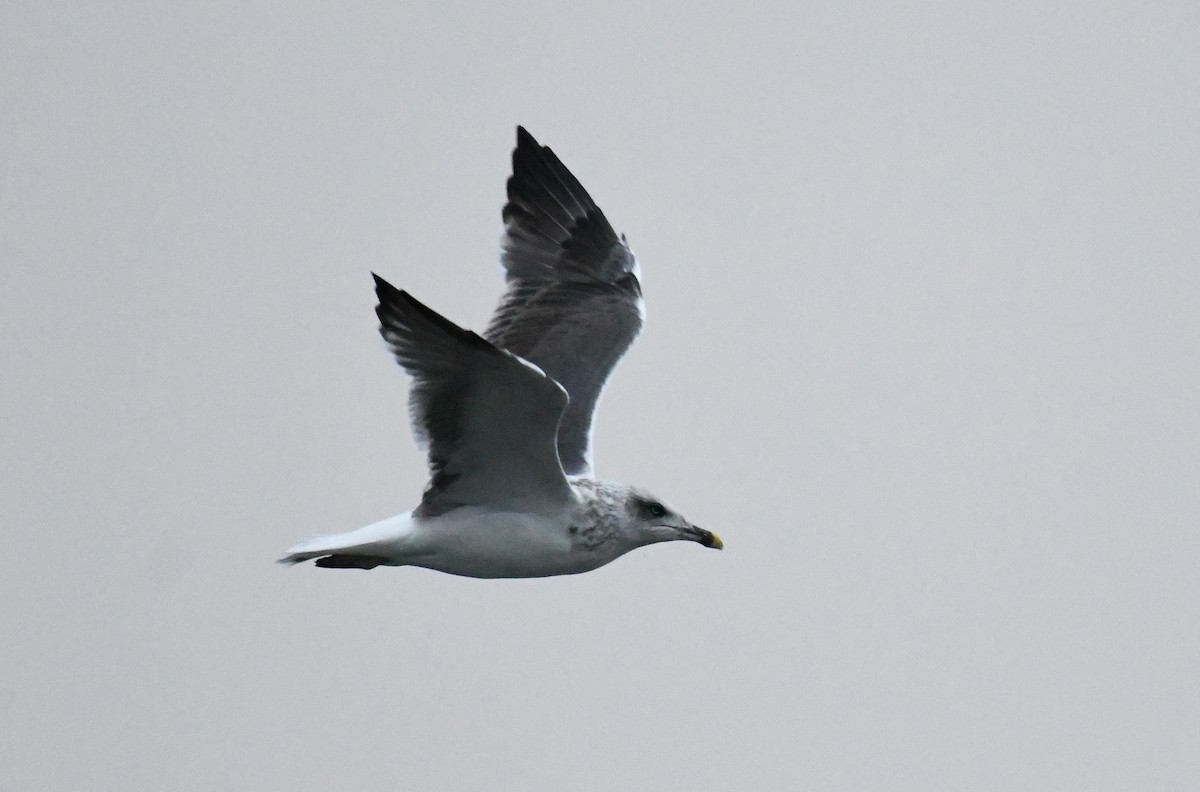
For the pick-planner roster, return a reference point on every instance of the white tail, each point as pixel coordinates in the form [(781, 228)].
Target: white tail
[(375, 544)]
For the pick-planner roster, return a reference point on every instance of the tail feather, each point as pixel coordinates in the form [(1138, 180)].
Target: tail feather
[(332, 560), (291, 559), (365, 548), (349, 561)]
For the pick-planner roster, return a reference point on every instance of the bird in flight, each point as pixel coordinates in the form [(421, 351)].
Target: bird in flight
[(506, 417)]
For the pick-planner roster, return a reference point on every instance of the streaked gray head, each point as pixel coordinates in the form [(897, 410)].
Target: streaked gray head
[(620, 517), (652, 520)]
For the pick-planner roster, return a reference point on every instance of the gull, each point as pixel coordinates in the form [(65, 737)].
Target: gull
[(506, 417)]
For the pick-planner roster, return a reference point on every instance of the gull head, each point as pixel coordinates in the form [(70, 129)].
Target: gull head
[(651, 520)]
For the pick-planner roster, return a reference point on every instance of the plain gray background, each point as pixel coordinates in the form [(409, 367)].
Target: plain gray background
[(922, 346)]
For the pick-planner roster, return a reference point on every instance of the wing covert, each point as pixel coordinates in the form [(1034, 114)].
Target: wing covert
[(487, 419), (574, 303)]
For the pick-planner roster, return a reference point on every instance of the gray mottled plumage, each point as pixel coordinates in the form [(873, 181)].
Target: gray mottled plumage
[(506, 418)]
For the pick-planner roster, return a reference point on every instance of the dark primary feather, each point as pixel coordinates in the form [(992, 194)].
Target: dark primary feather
[(488, 419), (573, 304)]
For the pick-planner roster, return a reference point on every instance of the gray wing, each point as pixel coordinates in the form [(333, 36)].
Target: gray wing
[(574, 303), (487, 418)]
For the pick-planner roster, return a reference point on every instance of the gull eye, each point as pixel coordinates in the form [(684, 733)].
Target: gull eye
[(655, 510)]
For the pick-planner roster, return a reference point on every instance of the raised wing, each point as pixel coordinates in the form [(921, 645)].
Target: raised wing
[(574, 303), (487, 419)]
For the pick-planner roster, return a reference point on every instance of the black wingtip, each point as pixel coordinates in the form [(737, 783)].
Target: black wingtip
[(390, 296), (528, 146), (397, 308), (391, 299), (385, 291)]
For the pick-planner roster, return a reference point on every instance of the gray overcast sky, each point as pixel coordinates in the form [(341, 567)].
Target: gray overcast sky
[(923, 346)]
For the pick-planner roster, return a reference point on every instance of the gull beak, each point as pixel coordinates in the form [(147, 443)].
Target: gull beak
[(706, 538)]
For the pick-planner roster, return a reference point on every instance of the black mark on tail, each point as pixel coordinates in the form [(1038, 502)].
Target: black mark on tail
[(351, 561)]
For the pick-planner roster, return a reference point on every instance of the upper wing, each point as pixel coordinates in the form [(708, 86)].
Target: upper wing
[(574, 303), (487, 418)]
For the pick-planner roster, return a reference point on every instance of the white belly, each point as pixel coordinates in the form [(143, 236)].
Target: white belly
[(475, 543), (471, 542)]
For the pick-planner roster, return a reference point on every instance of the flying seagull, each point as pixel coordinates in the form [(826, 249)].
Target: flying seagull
[(506, 418)]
